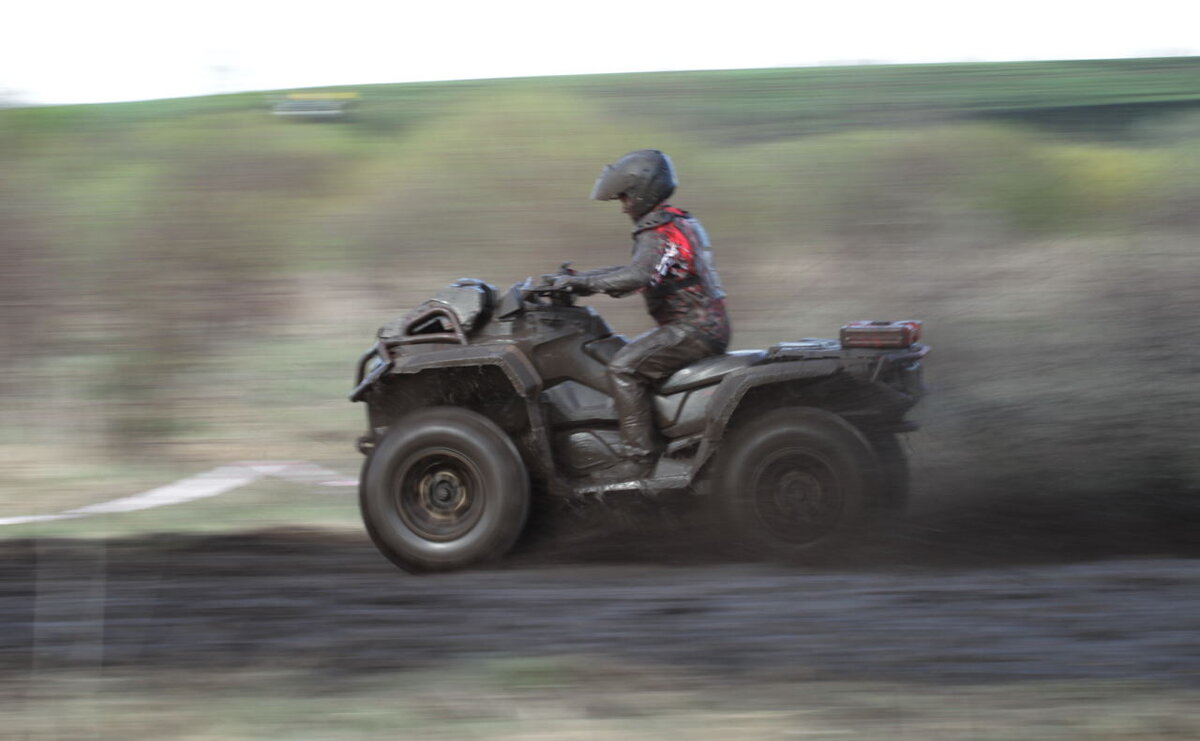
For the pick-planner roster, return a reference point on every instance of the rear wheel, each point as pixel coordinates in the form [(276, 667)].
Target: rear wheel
[(795, 482), (445, 489)]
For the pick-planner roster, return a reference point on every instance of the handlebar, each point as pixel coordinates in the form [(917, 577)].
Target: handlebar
[(557, 296)]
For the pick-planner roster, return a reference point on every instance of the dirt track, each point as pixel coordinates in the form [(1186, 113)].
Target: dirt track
[(961, 609)]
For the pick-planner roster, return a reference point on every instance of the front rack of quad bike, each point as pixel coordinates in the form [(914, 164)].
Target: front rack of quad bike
[(429, 326)]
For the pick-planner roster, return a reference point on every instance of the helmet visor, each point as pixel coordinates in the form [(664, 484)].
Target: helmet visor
[(609, 185)]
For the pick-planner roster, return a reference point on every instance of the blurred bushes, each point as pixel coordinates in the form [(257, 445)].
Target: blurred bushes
[(501, 177), (161, 250), (29, 281), (986, 182), (147, 250)]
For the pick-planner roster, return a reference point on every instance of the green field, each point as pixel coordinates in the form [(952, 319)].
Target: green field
[(187, 282)]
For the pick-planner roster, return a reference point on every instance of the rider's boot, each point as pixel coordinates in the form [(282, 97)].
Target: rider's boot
[(637, 447)]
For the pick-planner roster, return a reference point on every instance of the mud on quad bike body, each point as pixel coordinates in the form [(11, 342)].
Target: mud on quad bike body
[(477, 399)]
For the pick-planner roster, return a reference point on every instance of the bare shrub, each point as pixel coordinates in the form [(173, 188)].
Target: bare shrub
[(203, 268), (29, 282)]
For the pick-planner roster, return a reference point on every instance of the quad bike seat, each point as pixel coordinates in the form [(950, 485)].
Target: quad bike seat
[(710, 370)]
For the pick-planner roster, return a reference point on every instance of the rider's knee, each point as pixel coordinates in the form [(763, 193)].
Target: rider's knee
[(624, 365)]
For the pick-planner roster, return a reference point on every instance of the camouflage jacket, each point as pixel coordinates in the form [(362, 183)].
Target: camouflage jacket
[(672, 266)]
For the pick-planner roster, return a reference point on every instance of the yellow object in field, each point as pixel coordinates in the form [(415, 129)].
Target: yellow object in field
[(314, 105), (323, 96)]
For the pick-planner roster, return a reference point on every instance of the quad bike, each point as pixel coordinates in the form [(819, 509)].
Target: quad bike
[(479, 400)]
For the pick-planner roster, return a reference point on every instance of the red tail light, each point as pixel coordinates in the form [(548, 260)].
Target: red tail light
[(879, 334)]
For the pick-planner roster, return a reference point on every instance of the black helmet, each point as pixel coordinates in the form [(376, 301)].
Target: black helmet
[(645, 176)]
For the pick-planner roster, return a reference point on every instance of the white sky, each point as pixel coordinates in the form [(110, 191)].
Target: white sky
[(78, 51)]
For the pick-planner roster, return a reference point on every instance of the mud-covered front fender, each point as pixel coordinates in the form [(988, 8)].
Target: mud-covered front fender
[(520, 372), (379, 361), (526, 385)]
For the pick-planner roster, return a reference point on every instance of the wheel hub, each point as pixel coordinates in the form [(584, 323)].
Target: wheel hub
[(444, 492), (438, 496), (798, 494)]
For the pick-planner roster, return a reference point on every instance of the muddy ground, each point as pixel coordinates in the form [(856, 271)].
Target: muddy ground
[(949, 601)]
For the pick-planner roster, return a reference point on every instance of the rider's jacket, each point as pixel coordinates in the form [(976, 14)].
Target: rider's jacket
[(672, 266)]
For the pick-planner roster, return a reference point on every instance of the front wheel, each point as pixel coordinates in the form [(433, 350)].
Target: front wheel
[(445, 489), (795, 482)]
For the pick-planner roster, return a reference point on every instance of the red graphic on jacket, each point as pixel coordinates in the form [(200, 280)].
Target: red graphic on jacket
[(672, 268), (684, 286)]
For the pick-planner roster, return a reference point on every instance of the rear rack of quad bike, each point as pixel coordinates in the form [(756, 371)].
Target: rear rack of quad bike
[(427, 327), (867, 363), (910, 355)]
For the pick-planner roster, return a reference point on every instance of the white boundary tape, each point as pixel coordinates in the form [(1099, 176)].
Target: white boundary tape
[(210, 484)]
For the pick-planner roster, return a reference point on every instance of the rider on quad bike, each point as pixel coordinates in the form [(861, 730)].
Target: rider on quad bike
[(481, 401), (672, 267)]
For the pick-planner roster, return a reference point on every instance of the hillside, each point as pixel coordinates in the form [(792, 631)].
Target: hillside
[(771, 103), (194, 277)]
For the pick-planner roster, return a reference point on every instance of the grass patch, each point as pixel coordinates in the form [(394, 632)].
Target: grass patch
[(585, 697), (264, 504)]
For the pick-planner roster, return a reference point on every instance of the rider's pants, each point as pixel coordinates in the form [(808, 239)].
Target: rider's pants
[(651, 357)]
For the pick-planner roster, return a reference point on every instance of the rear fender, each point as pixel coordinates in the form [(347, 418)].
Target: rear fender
[(734, 387)]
